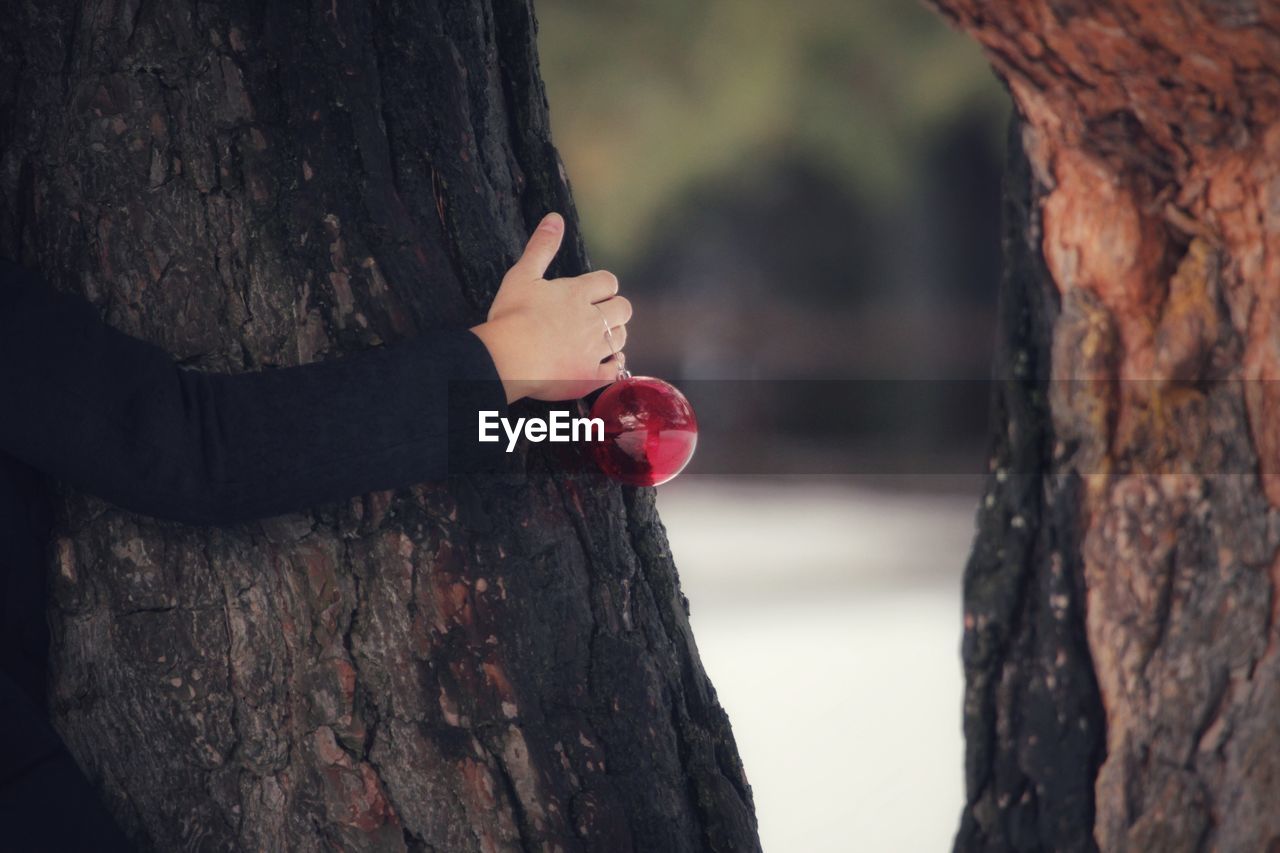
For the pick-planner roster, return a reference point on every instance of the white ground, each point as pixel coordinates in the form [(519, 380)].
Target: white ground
[(827, 615)]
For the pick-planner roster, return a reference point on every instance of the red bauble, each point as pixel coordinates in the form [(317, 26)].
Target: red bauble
[(649, 431)]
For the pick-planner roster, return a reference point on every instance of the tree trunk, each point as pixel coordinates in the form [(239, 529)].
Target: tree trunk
[(1121, 637), (471, 665)]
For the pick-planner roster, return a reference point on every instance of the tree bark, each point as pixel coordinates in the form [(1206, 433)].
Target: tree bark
[(471, 665), (1121, 599)]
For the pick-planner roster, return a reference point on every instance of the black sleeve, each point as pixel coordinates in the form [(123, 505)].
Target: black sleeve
[(119, 418)]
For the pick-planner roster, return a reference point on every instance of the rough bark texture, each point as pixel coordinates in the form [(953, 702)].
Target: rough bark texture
[(1121, 627), (475, 665)]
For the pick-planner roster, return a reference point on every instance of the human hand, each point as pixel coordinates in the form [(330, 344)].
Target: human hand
[(547, 338)]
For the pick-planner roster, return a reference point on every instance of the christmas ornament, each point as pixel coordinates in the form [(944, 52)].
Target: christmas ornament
[(650, 430)]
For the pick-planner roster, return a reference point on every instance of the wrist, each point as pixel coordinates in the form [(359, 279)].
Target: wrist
[(497, 339)]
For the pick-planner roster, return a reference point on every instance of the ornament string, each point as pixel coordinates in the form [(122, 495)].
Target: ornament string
[(623, 373)]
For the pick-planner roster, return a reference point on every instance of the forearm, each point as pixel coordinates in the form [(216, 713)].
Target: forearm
[(117, 417), (280, 440)]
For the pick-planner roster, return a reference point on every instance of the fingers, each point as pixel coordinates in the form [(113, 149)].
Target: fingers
[(609, 347), (598, 286), (542, 246), (608, 370), (616, 311)]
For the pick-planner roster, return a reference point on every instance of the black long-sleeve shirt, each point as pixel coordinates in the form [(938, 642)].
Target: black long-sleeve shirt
[(119, 418)]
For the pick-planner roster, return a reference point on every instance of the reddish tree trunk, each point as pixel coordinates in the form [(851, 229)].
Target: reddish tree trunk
[(471, 665), (1120, 642)]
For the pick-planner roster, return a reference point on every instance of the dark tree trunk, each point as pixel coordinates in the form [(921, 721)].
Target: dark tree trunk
[(1120, 602), (462, 666)]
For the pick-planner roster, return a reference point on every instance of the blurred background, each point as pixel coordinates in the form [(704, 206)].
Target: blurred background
[(802, 202)]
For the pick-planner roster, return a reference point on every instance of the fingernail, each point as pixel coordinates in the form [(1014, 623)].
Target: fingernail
[(551, 222)]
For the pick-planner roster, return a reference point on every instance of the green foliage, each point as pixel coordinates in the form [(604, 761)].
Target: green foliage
[(649, 99)]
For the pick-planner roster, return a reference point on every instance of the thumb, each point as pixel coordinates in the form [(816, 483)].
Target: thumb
[(542, 246)]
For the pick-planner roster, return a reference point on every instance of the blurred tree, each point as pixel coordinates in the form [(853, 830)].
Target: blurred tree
[(669, 94), (784, 225), (1121, 637), (471, 665)]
